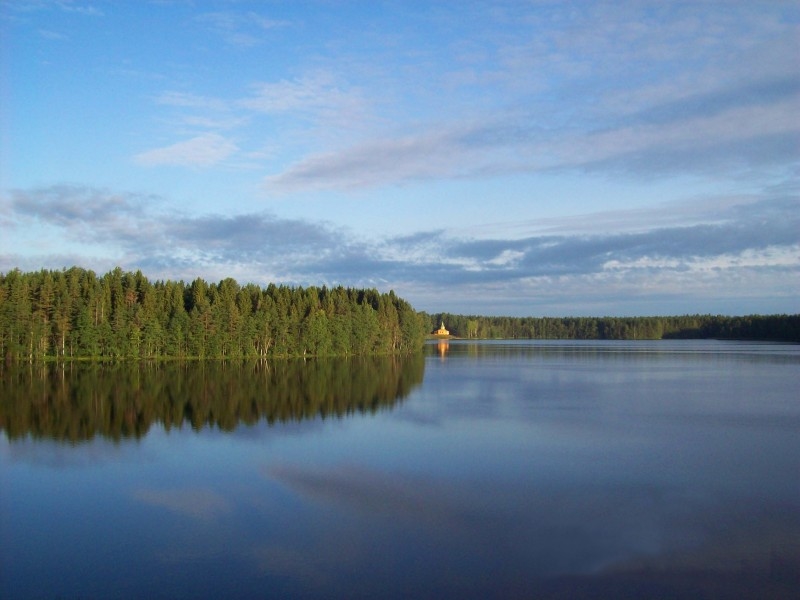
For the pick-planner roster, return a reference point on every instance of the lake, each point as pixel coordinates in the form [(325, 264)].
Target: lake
[(503, 469)]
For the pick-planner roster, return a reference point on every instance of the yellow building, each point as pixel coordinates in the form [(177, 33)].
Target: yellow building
[(441, 330)]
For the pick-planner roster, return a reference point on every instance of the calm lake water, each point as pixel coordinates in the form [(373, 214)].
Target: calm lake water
[(490, 469)]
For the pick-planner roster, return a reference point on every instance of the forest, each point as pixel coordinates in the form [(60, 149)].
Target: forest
[(74, 313), (785, 328)]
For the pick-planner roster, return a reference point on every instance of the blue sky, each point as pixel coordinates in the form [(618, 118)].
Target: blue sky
[(500, 158)]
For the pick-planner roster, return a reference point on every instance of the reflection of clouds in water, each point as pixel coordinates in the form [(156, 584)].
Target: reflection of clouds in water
[(369, 492), (524, 533), (190, 502), (394, 530), (313, 548), (549, 528)]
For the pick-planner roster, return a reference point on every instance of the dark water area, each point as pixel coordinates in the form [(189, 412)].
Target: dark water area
[(665, 469)]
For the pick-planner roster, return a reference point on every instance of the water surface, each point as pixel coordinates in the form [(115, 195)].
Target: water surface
[(488, 469)]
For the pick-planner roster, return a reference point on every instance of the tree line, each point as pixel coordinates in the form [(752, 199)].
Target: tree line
[(753, 327), (74, 313)]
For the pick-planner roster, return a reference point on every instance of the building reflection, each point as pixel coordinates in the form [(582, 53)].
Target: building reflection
[(442, 348)]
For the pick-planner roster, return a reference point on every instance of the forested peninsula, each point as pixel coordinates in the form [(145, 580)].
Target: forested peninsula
[(76, 314)]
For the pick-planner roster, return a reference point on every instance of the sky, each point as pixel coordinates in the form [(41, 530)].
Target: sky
[(519, 158)]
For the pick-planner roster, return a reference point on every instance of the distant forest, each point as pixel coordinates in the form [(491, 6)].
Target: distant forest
[(754, 327), (74, 313)]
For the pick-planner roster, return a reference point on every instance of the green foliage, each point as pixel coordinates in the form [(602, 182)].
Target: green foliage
[(73, 313), (784, 328)]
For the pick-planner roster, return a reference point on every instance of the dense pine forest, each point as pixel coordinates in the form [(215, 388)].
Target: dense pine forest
[(784, 328), (75, 313)]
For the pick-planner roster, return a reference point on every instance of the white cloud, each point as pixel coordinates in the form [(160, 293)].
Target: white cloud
[(79, 7), (509, 143), (243, 29), (49, 34), (744, 255), (318, 97), (202, 151), (536, 88), (733, 125), (772, 256), (376, 162), (186, 100)]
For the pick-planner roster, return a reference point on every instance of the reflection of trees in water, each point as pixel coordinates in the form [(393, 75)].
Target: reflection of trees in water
[(75, 402)]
